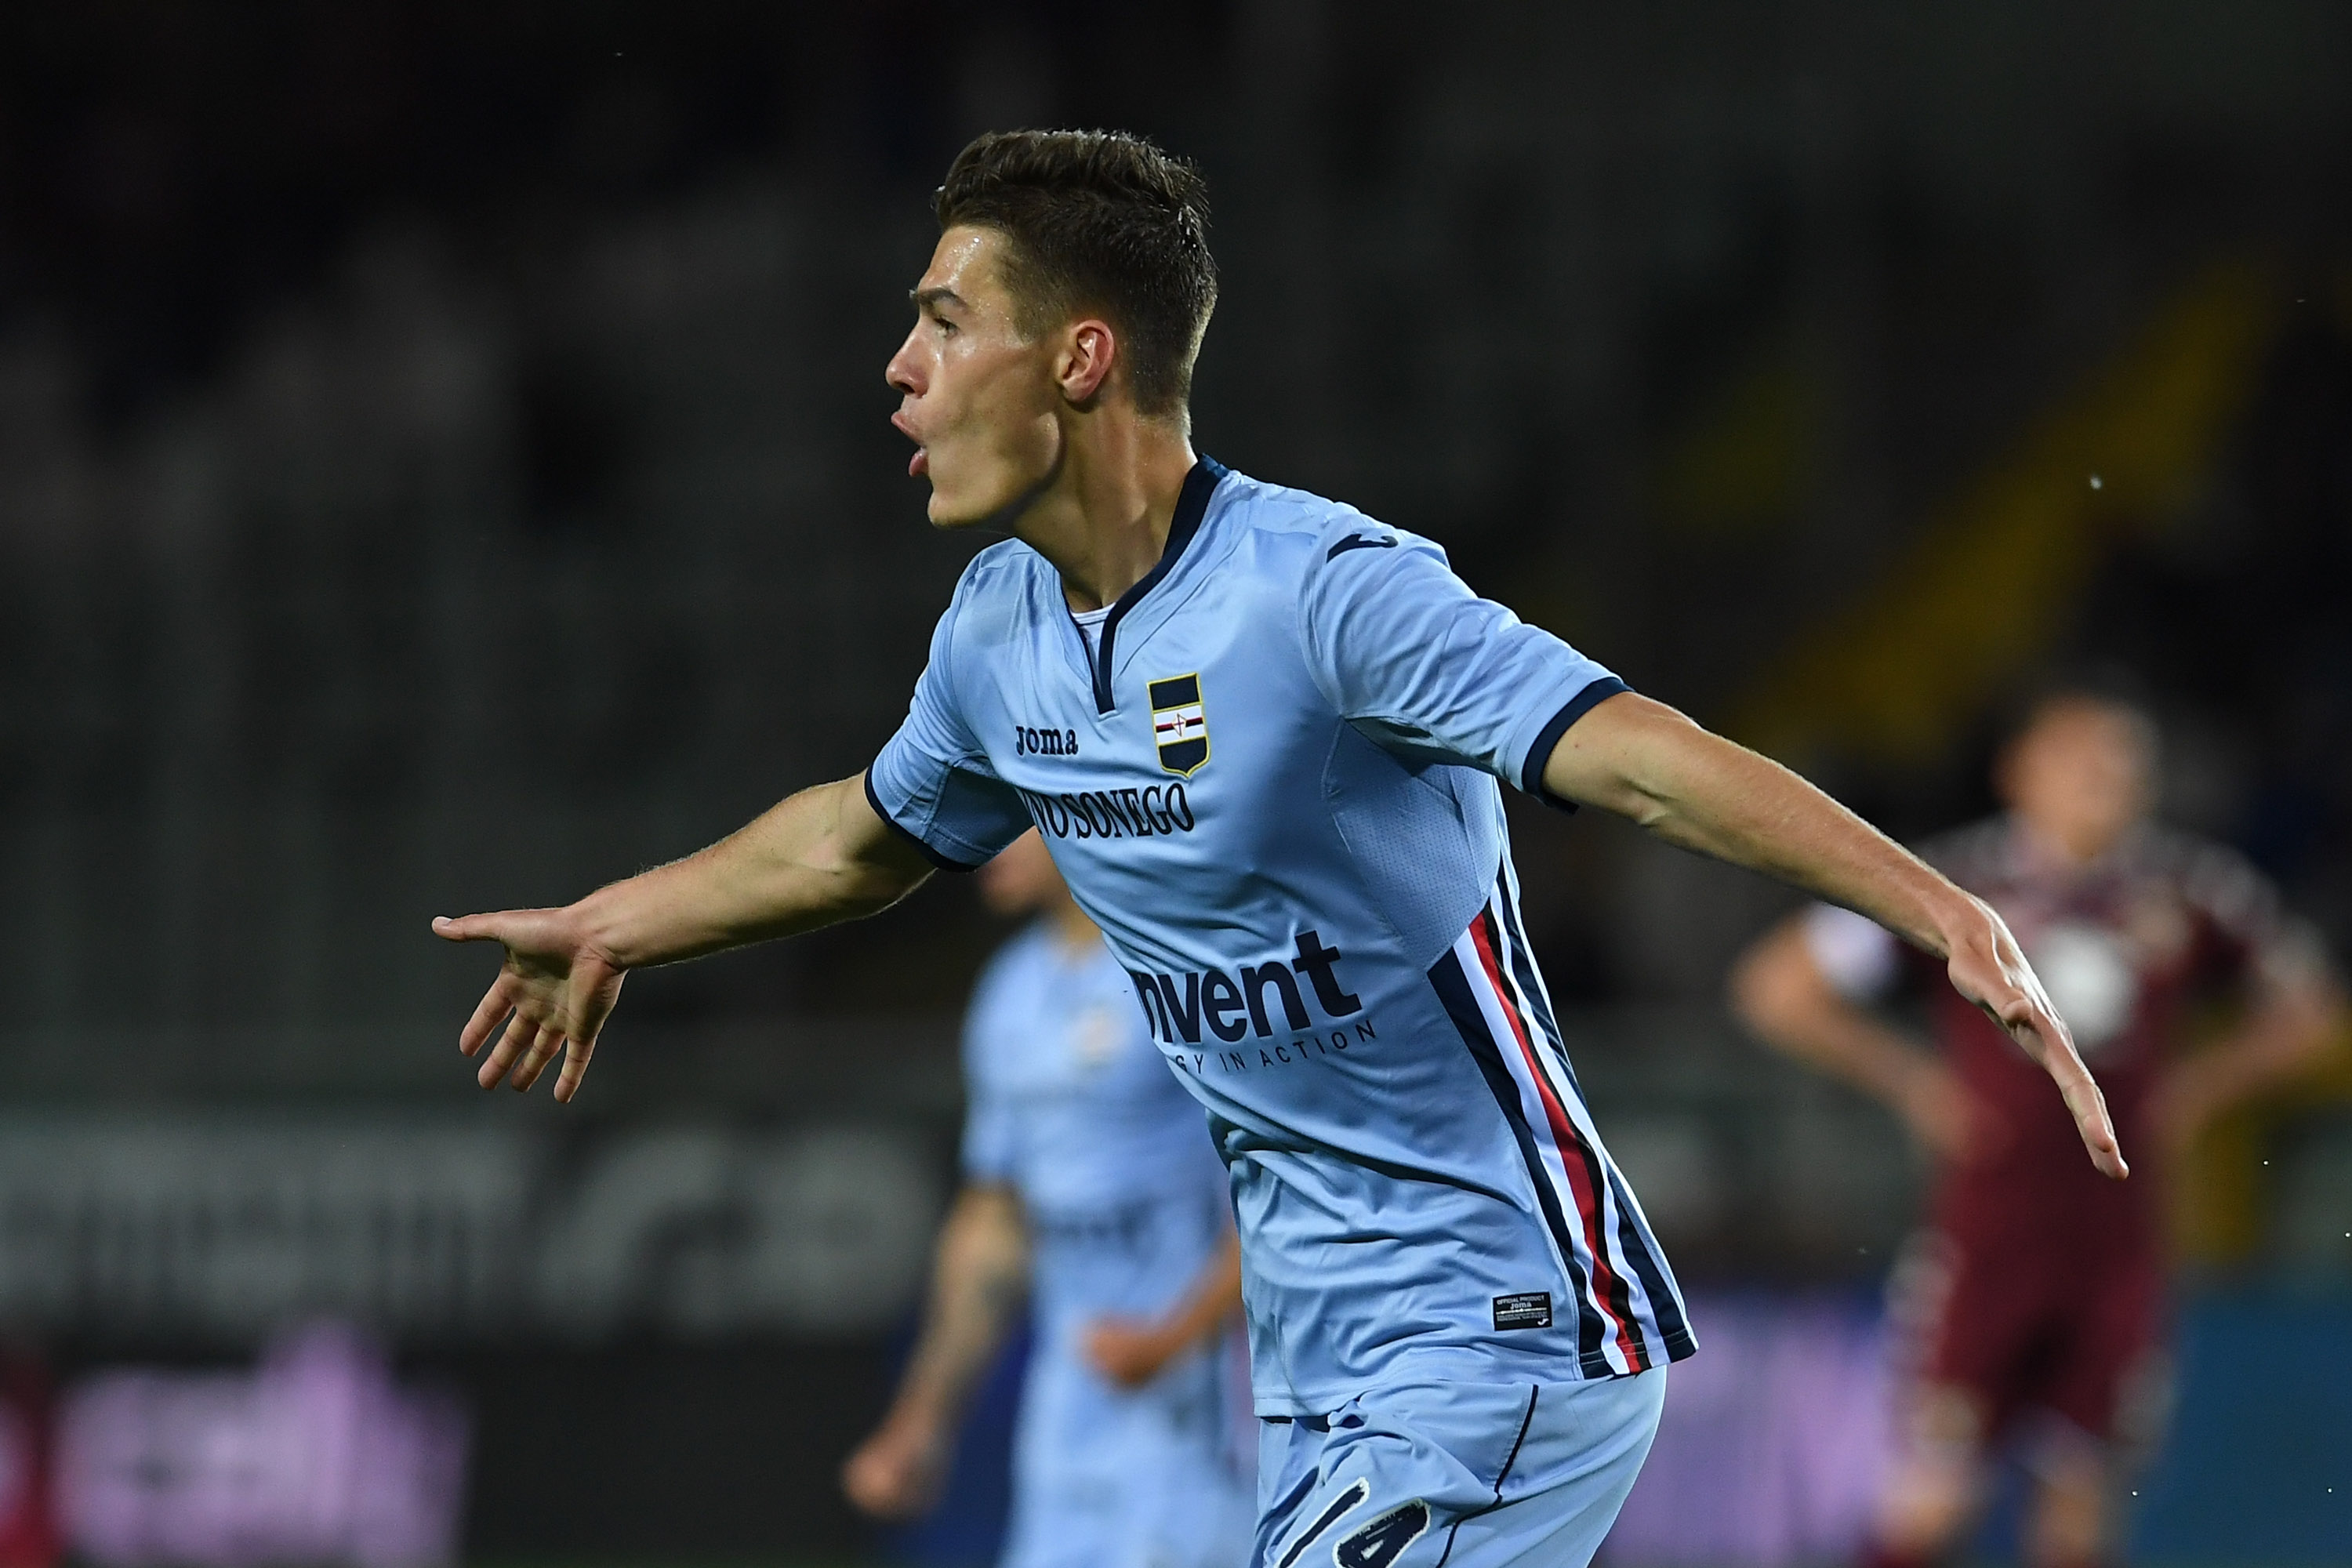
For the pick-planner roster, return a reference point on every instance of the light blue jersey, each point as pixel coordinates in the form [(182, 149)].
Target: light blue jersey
[(1272, 783), (1071, 1107)]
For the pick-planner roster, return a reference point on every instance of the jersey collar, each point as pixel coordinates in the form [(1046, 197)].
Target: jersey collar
[(1192, 506)]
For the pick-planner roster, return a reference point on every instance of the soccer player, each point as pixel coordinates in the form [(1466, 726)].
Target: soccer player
[(1263, 737), (2036, 1295), (1089, 1174)]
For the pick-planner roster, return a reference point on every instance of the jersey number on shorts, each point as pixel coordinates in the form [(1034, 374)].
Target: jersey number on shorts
[(1381, 1543)]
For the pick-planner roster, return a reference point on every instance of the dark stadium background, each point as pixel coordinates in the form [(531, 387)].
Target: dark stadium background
[(442, 465)]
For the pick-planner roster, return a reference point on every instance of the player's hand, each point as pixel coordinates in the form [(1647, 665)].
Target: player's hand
[(898, 1471), (1989, 969), (554, 994), (1129, 1354)]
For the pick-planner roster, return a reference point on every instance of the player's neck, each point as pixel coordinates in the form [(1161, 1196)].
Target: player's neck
[(1103, 518), (2051, 848)]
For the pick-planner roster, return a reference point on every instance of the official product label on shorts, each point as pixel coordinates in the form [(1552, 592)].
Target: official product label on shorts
[(1529, 1310)]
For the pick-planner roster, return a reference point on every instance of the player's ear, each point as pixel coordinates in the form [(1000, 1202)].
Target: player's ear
[(1088, 352)]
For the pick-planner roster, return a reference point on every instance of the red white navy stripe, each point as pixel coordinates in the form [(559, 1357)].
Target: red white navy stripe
[(1565, 1147), (1658, 1299)]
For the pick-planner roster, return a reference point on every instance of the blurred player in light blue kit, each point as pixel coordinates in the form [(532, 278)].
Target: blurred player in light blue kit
[(1090, 1183)]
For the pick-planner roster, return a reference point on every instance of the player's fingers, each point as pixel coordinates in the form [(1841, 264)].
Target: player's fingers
[(496, 1003), (2099, 1143), (575, 1067), (471, 928), (891, 1496), (519, 1032), (881, 1480), (2038, 1030), (518, 1075), (2089, 1105), (546, 1053), (543, 1047)]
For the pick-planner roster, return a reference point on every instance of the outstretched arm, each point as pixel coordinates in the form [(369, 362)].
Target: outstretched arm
[(1780, 992), (1643, 760), (1133, 1353), (980, 1277), (816, 858)]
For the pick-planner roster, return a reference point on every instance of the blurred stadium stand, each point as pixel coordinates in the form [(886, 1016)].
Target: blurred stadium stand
[(442, 465)]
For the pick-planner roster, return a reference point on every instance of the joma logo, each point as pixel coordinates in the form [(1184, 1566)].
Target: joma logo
[(1029, 742)]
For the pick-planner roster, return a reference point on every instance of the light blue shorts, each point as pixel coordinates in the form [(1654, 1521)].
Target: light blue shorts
[(1466, 1475)]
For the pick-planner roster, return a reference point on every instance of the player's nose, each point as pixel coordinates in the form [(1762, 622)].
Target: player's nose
[(902, 373)]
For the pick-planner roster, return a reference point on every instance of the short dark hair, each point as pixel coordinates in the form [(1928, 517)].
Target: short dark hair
[(1099, 220)]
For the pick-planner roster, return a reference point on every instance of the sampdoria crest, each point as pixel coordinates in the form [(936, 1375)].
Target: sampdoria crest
[(1179, 725)]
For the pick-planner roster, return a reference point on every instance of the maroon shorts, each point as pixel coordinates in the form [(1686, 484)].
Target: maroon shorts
[(2026, 1327)]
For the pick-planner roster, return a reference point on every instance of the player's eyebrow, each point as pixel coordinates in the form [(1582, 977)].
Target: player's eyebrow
[(933, 297)]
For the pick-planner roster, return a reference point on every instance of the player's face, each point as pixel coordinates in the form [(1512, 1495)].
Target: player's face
[(977, 396), (1022, 880), (2082, 774)]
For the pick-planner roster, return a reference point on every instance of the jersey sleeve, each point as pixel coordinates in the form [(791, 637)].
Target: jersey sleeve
[(933, 781), (1424, 666), (2249, 936)]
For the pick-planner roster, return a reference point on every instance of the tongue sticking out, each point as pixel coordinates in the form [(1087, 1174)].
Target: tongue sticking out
[(919, 464)]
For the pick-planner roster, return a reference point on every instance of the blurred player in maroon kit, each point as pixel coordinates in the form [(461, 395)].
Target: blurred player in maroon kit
[(29, 1520), (2034, 1303)]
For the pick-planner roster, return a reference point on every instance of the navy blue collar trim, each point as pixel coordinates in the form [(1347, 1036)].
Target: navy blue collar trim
[(1192, 506)]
